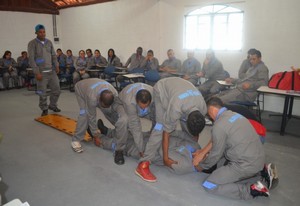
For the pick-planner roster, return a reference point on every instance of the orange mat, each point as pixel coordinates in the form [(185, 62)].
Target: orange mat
[(61, 123)]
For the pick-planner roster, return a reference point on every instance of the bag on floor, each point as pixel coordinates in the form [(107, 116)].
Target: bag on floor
[(288, 80)]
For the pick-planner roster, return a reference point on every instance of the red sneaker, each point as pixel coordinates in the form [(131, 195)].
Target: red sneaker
[(144, 172)]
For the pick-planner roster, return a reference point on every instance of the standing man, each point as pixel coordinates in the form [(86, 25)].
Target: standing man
[(175, 100), (44, 63), (235, 142)]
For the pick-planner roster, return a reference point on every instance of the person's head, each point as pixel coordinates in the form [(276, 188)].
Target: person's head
[(143, 98), (69, 52), (81, 53), (106, 99), (59, 52), (255, 58), (210, 54), (97, 53), (7, 55), (195, 123), (24, 54), (40, 32), (89, 52), (250, 51), (190, 54), (139, 51), (170, 54), (214, 104), (111, 53), (150, 53)]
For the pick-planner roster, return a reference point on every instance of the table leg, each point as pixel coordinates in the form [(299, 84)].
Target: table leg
[(284, 115), (291, 107)]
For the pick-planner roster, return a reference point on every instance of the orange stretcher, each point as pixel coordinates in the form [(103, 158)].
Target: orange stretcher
[(61, 123)]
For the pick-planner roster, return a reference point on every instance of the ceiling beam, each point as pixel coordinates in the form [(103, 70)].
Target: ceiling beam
[(85, 3)]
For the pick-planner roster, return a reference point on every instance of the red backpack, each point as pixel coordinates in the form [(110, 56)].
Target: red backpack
[(285, 81)]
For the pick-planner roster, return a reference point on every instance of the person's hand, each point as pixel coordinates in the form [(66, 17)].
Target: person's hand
[(200, 74), (186, 77), (97, 141), (141, 154), (168, 162), (246, 85), (57, 70), (81, 72), (228, 80), (39, 77), (198, 157)]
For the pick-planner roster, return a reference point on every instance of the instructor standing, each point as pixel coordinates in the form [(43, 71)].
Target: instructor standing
[(43, 60)]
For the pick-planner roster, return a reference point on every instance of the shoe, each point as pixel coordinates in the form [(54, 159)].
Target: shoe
[(76, 146), (89, 132), (270, 175), (119, 157), (54, 109), (45, 112), (102, 127), (258, 189), (144, 172)]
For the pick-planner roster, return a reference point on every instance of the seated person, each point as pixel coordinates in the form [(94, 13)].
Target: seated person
[(212, 70), (81, 65), (70, 60), (246, 64), (8, 69), (190, 67), (135, 60), (170, 66), (61, 58), (23, 64), (98, 63), (257, 75), (89, 58), (112, 59), (242, 172)]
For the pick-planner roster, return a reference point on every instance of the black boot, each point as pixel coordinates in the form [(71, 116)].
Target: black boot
[(102, 127), (119, 157), (45, 112)]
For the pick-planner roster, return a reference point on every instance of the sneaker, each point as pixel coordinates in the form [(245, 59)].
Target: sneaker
[(54, 109), (119, 157), (270, 175), (76, 146), (258, 189), (143, 171), (102, 127), (45, 112)]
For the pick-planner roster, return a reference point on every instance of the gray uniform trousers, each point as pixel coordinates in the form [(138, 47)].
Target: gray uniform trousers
[(210, 87), (49, 79), (77, 77), (181, 147), (118, 117), (14, 75), (237, 94)]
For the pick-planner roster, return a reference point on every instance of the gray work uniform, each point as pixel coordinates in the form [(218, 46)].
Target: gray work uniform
[(99, 61), (134, 62), (234, 139), (180, 149), (114, 62), (174, 99), (90, 61), (152, 64), (244, 68), (172, 63), (213, 71), (256, 76), (87, 93), (5, 64), (134, 113), (80, 65), (23, 64), (191, 67), (43, 61)]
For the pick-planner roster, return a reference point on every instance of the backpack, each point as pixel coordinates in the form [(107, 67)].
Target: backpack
[(285, 81)]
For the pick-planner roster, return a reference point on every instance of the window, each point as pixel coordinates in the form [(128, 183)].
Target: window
[(217, 27)]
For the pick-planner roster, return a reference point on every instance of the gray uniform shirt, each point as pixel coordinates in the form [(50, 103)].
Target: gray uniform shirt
[(134, 61), (128, 98), (191, 67), (115, 62), (99, 61), (81, 64), (90, 90), (244, 68), (234, 138), (214, 70), (179, 98), (42, 56), (152, 64), (172, 63)]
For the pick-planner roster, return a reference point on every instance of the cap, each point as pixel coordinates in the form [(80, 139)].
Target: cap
[(38, 27)]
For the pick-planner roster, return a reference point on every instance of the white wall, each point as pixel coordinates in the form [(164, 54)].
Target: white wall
[(17, 29), (270, 26)]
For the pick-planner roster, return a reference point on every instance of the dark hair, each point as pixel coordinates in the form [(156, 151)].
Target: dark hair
[(195, 123), (69, 50), (215, 102), (58, 50), (88, 50), (96, 50), (150, 51), (113, 56), (23, 52), (257, 53), (6, 53), (251, 51), (81, 51), (107, 98), (170, 50), (143, 96)]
